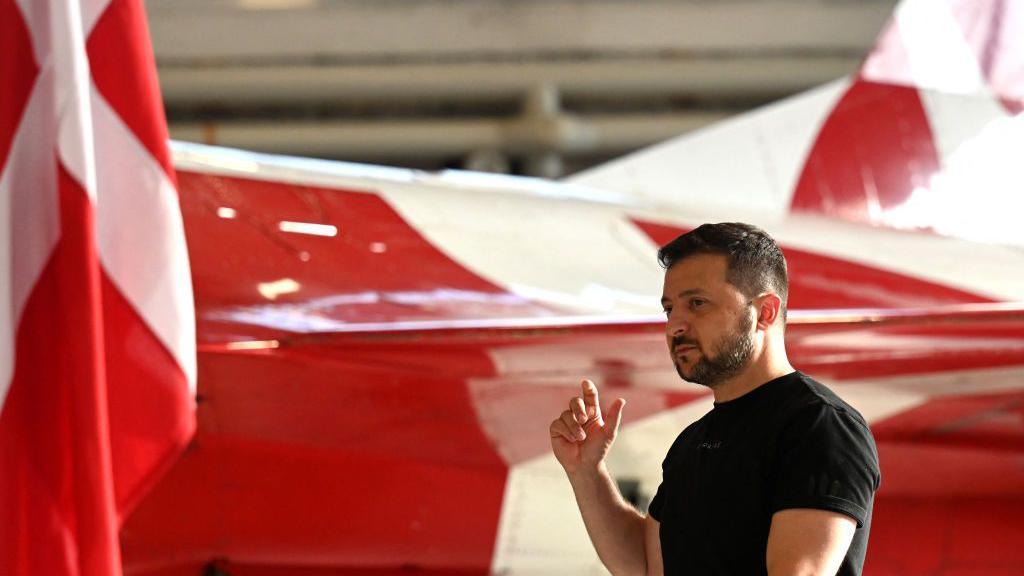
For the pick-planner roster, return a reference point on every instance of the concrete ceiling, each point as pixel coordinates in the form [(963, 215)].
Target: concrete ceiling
[(542, 87)]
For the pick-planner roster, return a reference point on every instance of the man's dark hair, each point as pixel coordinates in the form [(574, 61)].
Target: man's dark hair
[(755, 262)]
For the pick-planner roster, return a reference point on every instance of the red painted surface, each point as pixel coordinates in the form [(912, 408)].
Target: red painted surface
[(365, 450), (946, 537), (850, 173), (1013, 106), (377, 268), (371, 450), (301, 459)]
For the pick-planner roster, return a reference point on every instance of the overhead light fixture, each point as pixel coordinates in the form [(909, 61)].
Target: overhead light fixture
[(275, 4)]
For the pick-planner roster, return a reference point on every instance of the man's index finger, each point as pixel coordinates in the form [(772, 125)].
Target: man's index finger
[(590, 399)]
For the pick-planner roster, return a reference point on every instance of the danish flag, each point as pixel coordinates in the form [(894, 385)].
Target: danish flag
[(97, 327)]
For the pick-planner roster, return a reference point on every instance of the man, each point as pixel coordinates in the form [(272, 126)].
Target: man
[(778, 478)]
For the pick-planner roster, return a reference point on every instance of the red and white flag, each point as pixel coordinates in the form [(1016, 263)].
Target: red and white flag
[(97, 335)]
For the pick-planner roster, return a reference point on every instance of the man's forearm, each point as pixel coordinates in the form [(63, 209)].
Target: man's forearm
[(615, 527)]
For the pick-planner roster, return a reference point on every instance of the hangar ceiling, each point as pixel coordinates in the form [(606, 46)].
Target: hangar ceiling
[(526, 86)]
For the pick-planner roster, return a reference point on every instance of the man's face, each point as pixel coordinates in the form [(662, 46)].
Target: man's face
[(710, 324)]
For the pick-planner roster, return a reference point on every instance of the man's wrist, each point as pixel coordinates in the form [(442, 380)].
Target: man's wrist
[(587, 474)]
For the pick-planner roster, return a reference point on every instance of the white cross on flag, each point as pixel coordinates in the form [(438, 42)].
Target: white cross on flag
[(97, 335)]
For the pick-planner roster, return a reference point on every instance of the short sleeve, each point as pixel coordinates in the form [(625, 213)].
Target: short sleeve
[(826, 460), (654, 508)]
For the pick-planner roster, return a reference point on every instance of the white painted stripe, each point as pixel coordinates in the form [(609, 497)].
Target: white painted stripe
[(976, 267), (578, 257), (141, 236), (30, 218), (957, 119), (867, 342), (875, 401), (751, 162), (949, 383), (305, 320), (978, 194), (540, 530), (366, 178), (921, 315), (72, 82), (308, 319), (237, 163), (880, 398)]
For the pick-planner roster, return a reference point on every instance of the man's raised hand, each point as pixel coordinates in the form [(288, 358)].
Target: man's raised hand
[(580, 436)]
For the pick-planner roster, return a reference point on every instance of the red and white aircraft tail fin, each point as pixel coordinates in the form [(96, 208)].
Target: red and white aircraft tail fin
[(751, 162), (924, 137)]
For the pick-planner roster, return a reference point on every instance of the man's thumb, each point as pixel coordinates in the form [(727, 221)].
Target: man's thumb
[(615, 416)]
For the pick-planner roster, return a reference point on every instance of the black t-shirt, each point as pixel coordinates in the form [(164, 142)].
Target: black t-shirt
[(790, 443)]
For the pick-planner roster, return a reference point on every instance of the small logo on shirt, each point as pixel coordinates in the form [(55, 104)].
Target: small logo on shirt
[(710, 445)]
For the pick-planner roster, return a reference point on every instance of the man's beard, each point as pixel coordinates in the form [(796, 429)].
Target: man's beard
[(733, 354)]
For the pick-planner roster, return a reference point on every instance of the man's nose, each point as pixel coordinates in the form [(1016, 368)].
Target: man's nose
[(677, 324)]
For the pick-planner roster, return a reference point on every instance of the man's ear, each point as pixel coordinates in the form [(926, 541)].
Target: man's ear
[(769, 311)]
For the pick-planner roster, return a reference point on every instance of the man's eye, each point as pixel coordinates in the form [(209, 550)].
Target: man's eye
[(697, 303)]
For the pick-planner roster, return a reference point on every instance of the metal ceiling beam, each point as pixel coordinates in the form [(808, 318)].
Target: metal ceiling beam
[(378, 30), (738, 77), (353, 139)]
